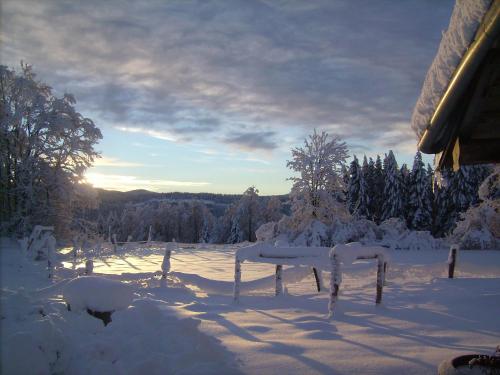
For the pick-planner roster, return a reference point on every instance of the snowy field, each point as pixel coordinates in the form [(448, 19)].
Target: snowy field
[(193, 327)]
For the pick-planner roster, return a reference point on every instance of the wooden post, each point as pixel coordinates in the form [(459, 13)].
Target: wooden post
[(335, 281), (89, 267), (316, 277), (452, 261), (150, 233), (50, 243), (237, 280), (115, 245), (380, 278), (385, 273), (279, 280), (165, 265)]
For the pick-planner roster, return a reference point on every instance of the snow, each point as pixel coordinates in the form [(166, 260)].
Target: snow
[(97, 294), (465, 20), (193, 326), (350, 252)]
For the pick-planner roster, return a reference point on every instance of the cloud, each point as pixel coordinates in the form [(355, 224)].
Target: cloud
[(252, 141), (200, 70), (159, 134), (126, 182), (114, 162)]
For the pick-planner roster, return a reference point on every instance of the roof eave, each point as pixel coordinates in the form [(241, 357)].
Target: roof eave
[(440, 132)]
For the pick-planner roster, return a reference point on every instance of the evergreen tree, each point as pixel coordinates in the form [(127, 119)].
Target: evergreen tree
[(369, 174), (354, 185), (378, 190), (363, 204), (420, 202), (444, 207), (405, 190), (392, 196)]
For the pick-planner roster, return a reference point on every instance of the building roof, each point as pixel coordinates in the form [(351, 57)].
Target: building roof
[(457, 115)]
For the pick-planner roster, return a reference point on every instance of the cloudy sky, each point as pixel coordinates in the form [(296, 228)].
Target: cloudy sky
[(211, 95)]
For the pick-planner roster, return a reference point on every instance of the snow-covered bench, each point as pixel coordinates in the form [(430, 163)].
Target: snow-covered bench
[(325, 258)]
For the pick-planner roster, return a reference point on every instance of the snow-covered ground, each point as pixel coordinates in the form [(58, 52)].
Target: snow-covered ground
[(193, 326)]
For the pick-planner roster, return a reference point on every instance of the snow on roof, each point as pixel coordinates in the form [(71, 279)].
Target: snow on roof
[(465, 20), (98, 294)]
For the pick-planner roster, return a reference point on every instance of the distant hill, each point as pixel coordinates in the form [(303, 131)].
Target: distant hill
[(117, 200)]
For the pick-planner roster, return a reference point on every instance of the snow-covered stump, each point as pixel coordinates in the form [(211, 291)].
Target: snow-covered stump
[(237, 280), (335, 281), (279, 280), (97, 296), (452, 260), (165, 265)]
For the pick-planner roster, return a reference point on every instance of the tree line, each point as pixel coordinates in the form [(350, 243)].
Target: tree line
[(379, 190)]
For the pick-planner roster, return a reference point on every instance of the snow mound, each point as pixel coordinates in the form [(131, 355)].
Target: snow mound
[(465, 20), (97, 294)]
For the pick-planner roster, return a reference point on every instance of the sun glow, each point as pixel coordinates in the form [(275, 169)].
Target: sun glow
[(126, 182)]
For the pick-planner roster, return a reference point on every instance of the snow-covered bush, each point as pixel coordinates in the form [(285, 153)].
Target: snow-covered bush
[(418, 240), (479, 227), (361, 230), (314, 234), (267, 232), (393, 228)]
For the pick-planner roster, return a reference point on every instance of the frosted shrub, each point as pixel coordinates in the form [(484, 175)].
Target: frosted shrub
[(315, 234), (393, 227), (267, 232), (479, 227)]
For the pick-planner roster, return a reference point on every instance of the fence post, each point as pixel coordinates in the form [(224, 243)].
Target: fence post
[(150, 233), (385, 273), (279, 280), (89, 267), (50, 242), (115, 245), (380, 278), (335, 281), (452, 260), (165, 265), (317, 276), (237, 279)]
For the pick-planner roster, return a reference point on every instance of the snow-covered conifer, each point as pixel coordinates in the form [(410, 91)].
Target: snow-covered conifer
[(420, 200), (392, 196), (354, 185)]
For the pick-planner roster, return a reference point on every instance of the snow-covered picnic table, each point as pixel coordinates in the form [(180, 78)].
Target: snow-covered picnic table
[(323, 258)]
